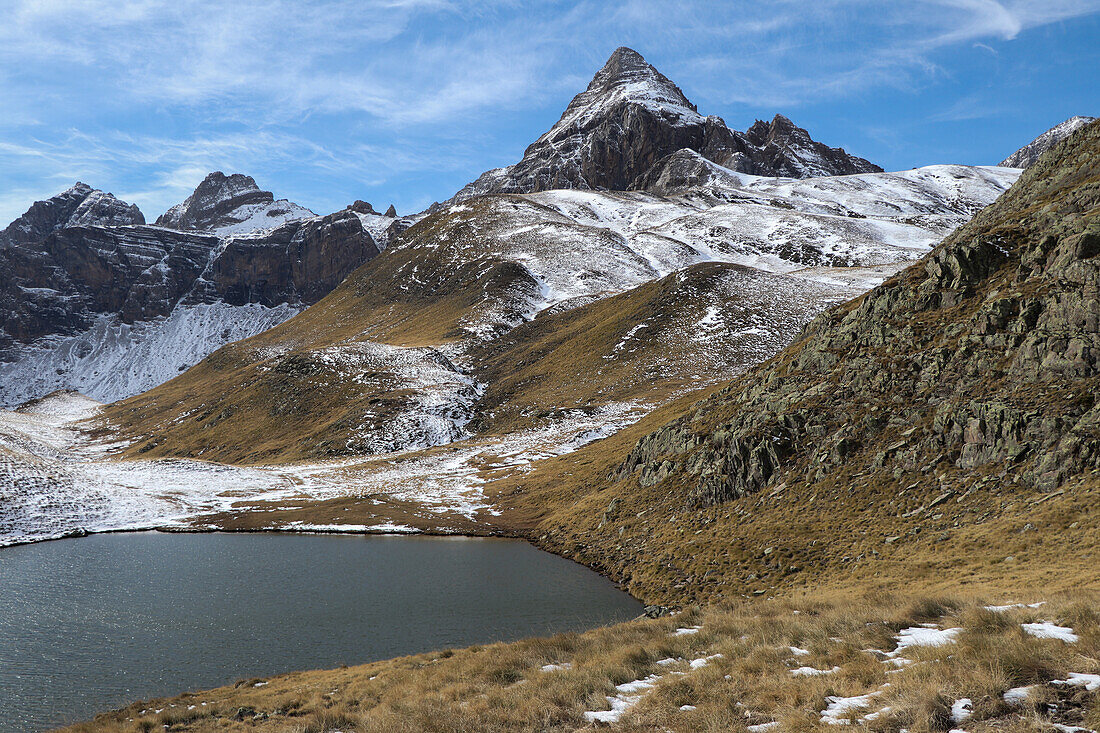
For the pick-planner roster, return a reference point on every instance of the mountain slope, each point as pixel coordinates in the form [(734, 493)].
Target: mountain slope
[(954, 398), (1028, 154), (630, 117), (461, 278), (1005, 326)]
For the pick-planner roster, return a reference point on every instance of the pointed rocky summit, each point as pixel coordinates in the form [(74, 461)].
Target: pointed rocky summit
[(1028, 154), (80, 205), (630, 118), (233, 204)]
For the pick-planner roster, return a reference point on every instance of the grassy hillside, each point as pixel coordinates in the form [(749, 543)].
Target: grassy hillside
[(792, 665)]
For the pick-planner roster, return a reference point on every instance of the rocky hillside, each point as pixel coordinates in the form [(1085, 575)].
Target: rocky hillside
[(233, 204), (630, 117), (978, 360), (1028, 154), (99, 302)]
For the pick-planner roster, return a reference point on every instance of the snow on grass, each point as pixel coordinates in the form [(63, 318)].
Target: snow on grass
[(1047, 630), (57, 482), (961, 709), (383, 528), (1013, 606), (1017, 696), (813, 671), (762, 727), (839, 710), (923, 636), (564, 666), (1091, 682), (629, 693), (703, 661), (687, 630), (799, 652)]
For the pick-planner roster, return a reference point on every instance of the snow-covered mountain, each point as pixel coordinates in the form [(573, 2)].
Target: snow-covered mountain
[(227, 205), (1028, 154), (630, 117), (97, 301)]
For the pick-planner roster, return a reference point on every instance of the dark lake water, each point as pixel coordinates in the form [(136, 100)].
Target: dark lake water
[(94, 623)]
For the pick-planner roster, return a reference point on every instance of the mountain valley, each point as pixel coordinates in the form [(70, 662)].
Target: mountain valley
[(836, 426)]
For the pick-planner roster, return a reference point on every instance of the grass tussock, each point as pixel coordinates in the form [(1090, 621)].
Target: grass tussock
[(749, 663)]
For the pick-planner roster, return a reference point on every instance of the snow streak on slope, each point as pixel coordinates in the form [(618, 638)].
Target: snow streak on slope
[(56, 482), (255, 218), (582, 244), (113, 360)]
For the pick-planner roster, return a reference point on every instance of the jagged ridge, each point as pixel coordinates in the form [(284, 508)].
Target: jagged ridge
[(632, 116)]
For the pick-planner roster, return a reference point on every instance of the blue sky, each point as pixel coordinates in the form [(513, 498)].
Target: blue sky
[(404, 101)]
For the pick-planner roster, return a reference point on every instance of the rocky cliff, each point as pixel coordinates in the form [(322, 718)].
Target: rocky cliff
[(228, 205), (89, 285), (983, 357), (1028, 154), (80, 205), (298, 262), (632, 116), (782, 148)]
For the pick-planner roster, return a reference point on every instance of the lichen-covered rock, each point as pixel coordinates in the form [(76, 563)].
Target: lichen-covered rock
[(984, 355)]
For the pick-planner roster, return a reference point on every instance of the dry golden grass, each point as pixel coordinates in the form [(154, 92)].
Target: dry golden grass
[(502, 687)]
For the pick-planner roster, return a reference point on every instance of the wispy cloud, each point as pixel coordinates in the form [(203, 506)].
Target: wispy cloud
[(144, 95)]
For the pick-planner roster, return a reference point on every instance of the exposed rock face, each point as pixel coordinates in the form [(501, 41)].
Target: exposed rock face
[(630, 117), (81, 205), (784, 149), (297, 262), (984, 354), (103, 289), (685, 169), (56, 285), (228, 205), (1030, 153)]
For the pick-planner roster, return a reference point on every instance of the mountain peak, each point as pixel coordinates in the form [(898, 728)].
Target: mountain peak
[(232, 204), (78, 205), (624, 63), (630, 118), (627, 78)]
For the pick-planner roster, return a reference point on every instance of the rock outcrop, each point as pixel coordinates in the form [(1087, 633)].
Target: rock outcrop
[(88, 284), (80, 205), (781, 148), (298, 262), (982, 356), (227, 205), (632, 116), (56, 285), (1028, 154)]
